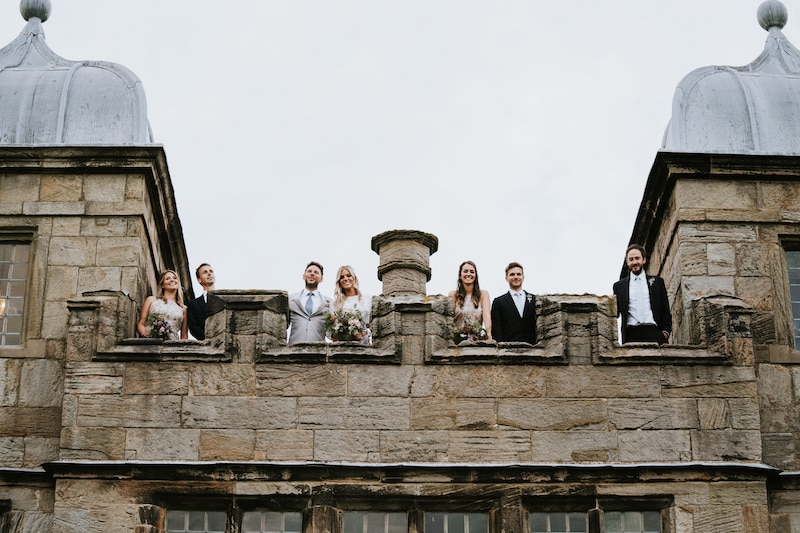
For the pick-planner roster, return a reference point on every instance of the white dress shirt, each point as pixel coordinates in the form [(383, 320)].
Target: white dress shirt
[(519, 300), (640, 311)]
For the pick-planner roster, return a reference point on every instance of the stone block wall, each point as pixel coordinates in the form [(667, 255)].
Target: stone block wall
[(96, 220), (244, 395), (81, 391), (718, 227), (136, 497)]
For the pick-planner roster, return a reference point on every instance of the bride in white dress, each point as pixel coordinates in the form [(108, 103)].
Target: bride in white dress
[(164, 316), (351, 310)]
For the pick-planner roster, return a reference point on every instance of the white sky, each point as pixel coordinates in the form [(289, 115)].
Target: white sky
[(511, 129)]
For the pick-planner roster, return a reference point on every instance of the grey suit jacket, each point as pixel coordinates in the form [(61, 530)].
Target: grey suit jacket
[(305, 328)]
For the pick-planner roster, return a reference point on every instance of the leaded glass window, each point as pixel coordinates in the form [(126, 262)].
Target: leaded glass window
[(558, 522), (363, 522), (13, 274), (793, 262), (196, 521), (456, 523), (632, 522), (271, 522)]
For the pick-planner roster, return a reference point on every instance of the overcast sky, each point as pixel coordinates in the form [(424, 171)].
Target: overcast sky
[(512, 130)]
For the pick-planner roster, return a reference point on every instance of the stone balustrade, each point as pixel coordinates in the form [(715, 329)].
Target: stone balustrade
[(249, 326)]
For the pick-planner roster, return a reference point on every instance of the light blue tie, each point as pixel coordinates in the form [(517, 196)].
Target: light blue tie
[(310, 303)]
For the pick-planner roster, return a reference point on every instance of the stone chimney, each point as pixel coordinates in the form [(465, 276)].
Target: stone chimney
[(404, 266)]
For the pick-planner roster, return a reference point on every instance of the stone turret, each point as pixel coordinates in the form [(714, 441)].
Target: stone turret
[(404, 261)]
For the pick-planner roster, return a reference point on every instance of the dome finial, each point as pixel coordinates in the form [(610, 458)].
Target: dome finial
[(35, 8), (771, 14)]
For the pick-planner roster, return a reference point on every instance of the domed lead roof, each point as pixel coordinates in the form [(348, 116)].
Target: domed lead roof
[(755, 108), (46, 99)]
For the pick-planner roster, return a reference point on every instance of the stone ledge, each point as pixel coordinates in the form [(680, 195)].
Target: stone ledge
[(411, 473), (335, 352), (639, 353), (480, 352), (784, 355), (29, 476), (491, 352), (157, 350), (31, 349)]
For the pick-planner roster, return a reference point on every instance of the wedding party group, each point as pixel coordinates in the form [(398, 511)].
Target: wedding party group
[(314, 317), (642, 305)]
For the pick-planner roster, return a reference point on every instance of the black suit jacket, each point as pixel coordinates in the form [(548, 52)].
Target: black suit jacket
[(196, 311), (507, 325), (659, 303)]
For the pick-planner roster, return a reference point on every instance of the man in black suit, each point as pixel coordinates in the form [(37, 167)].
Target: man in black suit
[(196, 310), (642, 302), (514, 313)]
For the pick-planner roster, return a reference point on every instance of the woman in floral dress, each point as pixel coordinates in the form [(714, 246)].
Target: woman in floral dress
[(350, 311), (164, 316), (472, 318)]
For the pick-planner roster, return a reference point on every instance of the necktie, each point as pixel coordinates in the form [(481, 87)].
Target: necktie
[(310, 303)]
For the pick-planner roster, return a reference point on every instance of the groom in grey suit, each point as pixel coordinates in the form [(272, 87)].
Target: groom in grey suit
[(307, 308)]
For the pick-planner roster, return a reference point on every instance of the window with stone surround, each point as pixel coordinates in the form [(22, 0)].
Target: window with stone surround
[(398, 522), (456, 522), (634, 521), (793, 264), (375, 522), (635, 515), (196, 521), (561, 522), (252, 521), (13, 278), (579, 522), (271, 522)]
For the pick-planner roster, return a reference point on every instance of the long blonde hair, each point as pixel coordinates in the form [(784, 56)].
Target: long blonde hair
[(338, 294), (178, 293)]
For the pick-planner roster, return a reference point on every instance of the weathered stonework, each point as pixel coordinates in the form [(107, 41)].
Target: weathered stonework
[(699, 429)]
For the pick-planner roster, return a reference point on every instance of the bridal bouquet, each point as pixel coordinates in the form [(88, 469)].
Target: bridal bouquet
[(471, 330), (346, 325), (160, 327)]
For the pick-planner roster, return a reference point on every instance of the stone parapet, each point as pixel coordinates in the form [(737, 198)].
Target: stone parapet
[(250, 326), (246, 323), (98, 322), (724, 324)]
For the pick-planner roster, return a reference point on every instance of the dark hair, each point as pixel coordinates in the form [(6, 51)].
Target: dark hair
[(514, 264), (314, 263), (636, 247), (197, 270), (461, 292)]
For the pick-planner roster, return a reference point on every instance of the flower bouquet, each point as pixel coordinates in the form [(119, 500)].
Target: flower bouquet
[(347, 325), (471, 330), (159, 326)]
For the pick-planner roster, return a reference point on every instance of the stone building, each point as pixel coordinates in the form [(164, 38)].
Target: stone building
[(104, 432)]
